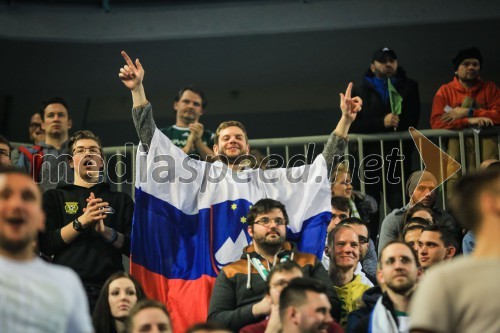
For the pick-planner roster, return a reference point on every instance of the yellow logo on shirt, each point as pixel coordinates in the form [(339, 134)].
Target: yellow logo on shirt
[(71, 207)]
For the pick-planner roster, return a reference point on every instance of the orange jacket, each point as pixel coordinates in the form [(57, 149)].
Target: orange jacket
[(486, 97)]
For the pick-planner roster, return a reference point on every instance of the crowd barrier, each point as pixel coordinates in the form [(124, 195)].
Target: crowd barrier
[(120, 160)]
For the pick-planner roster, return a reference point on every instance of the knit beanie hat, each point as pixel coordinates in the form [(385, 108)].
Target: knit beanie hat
[(470, 53), (416, 178)]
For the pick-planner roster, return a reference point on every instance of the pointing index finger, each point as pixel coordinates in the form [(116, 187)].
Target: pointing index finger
[(348, 91), (127, 59)]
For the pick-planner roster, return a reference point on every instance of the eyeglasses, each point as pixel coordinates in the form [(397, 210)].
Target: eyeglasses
[(363, 239), (340, 216), (266, 221), (35, 125), (91, 150)]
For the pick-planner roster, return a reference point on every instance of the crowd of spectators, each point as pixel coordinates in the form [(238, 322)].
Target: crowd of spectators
[(63, 231)]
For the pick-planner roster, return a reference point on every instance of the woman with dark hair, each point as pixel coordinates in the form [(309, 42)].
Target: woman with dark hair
[(118, 296)]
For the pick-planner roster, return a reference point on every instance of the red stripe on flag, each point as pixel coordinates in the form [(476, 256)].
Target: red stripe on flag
[(187, 301)]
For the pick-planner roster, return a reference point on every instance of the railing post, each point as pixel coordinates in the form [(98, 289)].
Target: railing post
[(462, 152), (119, 171), (361, 171), (402, 172), (383, 178), (477, 150)]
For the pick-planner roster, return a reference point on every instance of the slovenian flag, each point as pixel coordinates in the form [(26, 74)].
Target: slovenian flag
[(190, 220)]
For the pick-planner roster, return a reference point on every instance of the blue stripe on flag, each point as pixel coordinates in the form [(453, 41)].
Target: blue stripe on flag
[(177, 245), (312, 234)]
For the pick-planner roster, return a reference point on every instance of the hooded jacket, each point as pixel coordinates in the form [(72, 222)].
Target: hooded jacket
[(92, 259), (485, 94), (239, 286)]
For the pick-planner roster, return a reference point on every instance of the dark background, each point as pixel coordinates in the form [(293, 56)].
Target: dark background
[(277, 66)]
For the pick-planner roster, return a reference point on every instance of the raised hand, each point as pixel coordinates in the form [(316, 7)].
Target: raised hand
[(196, 129), (94, 212), (350, 106), (131, 74)]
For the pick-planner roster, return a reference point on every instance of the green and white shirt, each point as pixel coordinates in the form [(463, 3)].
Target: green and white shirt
[(179, 135)]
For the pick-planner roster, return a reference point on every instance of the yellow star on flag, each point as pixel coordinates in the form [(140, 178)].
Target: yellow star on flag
[(243, 219), (234, 206)]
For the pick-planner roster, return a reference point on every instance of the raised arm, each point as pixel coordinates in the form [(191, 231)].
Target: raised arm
[(132, 76), (337, 141), (350, 106)]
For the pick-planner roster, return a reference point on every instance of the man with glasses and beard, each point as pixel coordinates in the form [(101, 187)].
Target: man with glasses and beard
[(398, 270), (239, 295)]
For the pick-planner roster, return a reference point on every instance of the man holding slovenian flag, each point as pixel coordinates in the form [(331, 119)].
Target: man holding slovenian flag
[(189, 218)]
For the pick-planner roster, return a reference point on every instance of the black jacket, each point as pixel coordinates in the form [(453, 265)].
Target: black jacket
[(371, 119), (356, 319), (92, 259)]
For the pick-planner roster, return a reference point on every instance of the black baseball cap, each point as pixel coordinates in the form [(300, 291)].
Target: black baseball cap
[(382, 53)]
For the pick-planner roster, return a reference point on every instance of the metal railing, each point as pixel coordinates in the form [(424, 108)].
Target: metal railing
[(120, 160)]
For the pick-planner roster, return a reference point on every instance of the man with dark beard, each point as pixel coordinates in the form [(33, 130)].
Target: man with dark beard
[(391, 102), (239, 295), (398, 270)]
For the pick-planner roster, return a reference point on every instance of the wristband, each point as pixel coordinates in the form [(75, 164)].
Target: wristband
[(113, 239), (77, 225), (470, 114)]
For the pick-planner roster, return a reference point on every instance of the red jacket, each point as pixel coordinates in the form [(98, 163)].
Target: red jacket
[(486, 97)]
